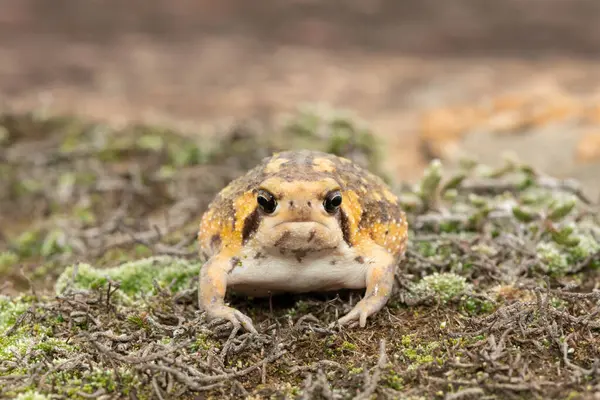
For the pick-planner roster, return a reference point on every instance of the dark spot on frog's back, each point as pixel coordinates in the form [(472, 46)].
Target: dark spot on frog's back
[(345, 227), (360, 260), (384, 211), (251, 224), (215, 241)]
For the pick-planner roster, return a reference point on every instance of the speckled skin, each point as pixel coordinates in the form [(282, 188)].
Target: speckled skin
[(301, 247)]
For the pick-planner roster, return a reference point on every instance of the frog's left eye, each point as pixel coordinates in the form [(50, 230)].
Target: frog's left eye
[(266, 201), (332, 201)]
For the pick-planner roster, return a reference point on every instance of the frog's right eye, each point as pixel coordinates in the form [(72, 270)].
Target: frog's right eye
[(266, 201)]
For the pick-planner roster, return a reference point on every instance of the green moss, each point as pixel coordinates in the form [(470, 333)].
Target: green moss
[(417, 352), (302, 306), (14, 346), (39, 242), (151, 141), (100, 378), (142, 251), (445, 286), (292, 391), (203, 343), (54, 243), (27, 243), (393, 380), (474, 306), (10, 310), (8, 260), (453, 183), (70, 383), (348, 346), (428, 186), (426, 248), (555, 260), (28, 336), (4, 136), (410, 201), (166, 172), (51, 346), (524, 214), (485, 249), (586, 246), (135, 277), (478, 201), (186, 154), (560, 256), (560, 209), (32, 395), (356, 370), (27, 186), (85, 215), (138, 321), (450, 226)]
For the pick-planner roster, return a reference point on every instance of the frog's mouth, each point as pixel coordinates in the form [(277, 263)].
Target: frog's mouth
[(299, 223), (309, 236)]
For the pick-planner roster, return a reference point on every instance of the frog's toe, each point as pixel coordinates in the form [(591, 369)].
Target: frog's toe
[(237, 318), (245, 321), (363, 310)]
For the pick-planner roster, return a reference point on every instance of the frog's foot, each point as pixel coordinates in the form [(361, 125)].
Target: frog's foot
[(237, 318), (363, 309)]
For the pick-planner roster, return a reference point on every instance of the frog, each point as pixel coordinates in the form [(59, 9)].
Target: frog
[(301, 221)]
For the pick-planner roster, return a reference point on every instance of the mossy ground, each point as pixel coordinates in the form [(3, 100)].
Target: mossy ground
[(496, 296)]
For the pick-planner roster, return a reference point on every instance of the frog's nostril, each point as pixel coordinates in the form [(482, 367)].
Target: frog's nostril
[(309, 203), (291, 204)]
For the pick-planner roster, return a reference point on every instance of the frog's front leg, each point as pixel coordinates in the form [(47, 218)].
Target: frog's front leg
[(211, 293), (379, 282)]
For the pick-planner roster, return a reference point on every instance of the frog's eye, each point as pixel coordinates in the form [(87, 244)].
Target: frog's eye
[(332, 201), (266, 201)]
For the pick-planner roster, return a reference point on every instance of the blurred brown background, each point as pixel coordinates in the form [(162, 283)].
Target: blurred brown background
[(434, 78)]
